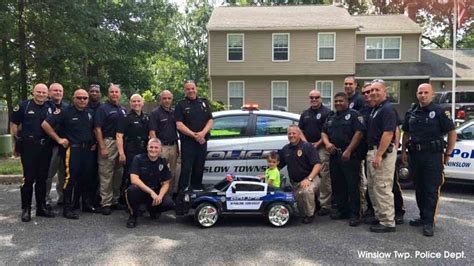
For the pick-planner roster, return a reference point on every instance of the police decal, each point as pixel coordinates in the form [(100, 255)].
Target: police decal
[(432, 114), (347, 117)]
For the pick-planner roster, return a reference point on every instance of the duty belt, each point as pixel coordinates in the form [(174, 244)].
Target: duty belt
[(34, 140), (164, 143), (433, 146), (81, 145)]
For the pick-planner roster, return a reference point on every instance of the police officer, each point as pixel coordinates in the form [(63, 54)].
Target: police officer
[(110, 170), (34, 147), (424, 127), (132, 136), (94, 97), (311, 124), (94, 103), (356, 101), (381, 157), (304, 165), (341, 135), (163, 127), (150, 179), (77, 124), (193, 120)]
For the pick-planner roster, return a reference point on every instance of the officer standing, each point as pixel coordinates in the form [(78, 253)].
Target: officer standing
[(94, 97), (356, 101), (341, 135), (163, 127), (424, 127), (311, 124), (303, 166), (150, 178), (77, 125), (132, 136), (110, 171), (381, 157), (34, 147), (94, 103), (193, 120)]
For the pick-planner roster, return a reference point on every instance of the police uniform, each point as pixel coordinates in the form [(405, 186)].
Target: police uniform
[(340, 128), (380, 180), (153, 174), (311, 123), (194, 114), (163, 123), (110, 170), (77, 127), (95, 179), (34, 147), (356, 102), (300, 159), (427, 126)]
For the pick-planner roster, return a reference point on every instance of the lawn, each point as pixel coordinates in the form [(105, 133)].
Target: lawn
[(10, 166)]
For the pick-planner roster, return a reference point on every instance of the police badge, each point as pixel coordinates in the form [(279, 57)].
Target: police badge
[(432, 114), (299, 153), (16, 108), (348, 116), (318, 116), (351, 105), (160, 167)]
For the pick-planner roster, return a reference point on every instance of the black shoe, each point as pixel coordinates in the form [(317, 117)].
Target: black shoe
[(69, 214), (118, 207), (399, 219), (44, 212), (371, 220), (338, 216), (89, 208), (308, 219), (26, 215), (354, 221), (380, 228), (323, 212), (416, 222), (106, 210), (428, 230), (132, 222)]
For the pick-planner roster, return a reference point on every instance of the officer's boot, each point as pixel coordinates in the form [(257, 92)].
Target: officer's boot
[(43, 211), (26, 215), (68, 213)]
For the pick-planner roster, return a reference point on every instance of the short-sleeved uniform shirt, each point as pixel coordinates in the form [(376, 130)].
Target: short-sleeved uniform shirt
[(107, 117), (30, 116), (274, 175), (382, 118), (356, 102), (300, 159), (427, 123), (163, 123), (152, 173), (134, 127), (76, 125), (341, 127), (312, 121), (93, 105), (194, 114)]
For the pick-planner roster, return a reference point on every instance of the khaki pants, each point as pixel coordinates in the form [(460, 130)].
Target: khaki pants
[(305, 198), (170, 153), (380, 184), (56, 166), (110, 175), (325, 190)]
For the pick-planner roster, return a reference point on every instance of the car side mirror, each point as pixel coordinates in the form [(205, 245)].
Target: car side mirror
[(233, 189)]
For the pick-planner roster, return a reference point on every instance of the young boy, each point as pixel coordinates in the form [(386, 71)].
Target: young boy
[(272, 174)]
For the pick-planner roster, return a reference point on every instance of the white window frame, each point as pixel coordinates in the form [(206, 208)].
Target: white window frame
[(331, 94), (334, 47), (273, 47), (287, 94), (228, 91), (383, 48), (243, 47)]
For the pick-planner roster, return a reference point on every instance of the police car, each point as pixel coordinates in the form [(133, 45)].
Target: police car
[(240, 140), (239, 195)]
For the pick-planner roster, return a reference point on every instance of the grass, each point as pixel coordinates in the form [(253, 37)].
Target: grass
[(10, 166)]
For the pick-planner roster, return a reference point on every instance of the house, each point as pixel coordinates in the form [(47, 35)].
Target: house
[(273, 56)]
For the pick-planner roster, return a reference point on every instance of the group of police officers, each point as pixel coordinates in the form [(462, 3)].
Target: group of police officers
[(105, 157)]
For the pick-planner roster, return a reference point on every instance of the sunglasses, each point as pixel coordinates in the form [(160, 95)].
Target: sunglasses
[(314, 97), (81, 98), (378, 81)]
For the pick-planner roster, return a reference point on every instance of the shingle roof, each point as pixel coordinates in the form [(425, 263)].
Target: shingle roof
[(384, 70), (441, 62), (280, 18), (386, 24)]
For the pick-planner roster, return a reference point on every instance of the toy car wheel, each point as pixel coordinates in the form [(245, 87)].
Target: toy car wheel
[(206, 214), (278, 214)]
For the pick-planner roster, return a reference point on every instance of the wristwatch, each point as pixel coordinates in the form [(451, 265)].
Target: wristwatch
[(310, 179)]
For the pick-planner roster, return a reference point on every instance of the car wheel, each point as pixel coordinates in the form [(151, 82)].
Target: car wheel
[(206, 214), (278, 214), (404, 178)]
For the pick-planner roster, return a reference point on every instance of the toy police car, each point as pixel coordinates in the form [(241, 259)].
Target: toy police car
[(239, 194)]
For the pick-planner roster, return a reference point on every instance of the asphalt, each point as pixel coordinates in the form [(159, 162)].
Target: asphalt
[(98, 239)]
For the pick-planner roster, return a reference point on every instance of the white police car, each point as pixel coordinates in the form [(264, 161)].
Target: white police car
[(240, 140)]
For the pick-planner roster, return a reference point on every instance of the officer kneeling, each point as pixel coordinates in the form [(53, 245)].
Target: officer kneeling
[(149, 175)]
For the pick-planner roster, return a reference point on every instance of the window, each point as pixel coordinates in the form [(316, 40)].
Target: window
[(229, 127), (461, 97), (327, 46), (272, 125), (325, 87), (281, 46), (235, 90), (249, 187), (280, 95), (235, 47), (383, 48), (468, 133)]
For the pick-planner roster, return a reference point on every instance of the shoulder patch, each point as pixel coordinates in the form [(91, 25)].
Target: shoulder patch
[(57, 111), (361, 119), (16, 108)]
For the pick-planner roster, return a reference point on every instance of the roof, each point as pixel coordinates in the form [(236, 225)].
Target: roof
[(393, 70), (441, 63), (307, 17), (386, 24)]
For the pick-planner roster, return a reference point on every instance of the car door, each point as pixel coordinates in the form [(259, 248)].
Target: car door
[(245, 196), (461, 165)]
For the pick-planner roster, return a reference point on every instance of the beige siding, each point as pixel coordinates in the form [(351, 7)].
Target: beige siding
[(303, 57), (437, 85), (410, 49)]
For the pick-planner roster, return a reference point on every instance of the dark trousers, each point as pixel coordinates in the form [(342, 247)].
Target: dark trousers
[(94, 185), (35, 159), (193, 157), (426, 169), (79, 176), (131, 150), (345, 181), (135, 197)]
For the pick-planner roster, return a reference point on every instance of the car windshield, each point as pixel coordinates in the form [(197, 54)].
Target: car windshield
[(461, 97), (222, 185)]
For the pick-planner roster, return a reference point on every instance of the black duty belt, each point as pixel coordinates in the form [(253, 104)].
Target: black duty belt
[(81, 145), (33, 140), (431, 146), (166, 143)]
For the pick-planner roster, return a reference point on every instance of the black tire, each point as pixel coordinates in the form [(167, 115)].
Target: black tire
[(278, 214), (206, 214)]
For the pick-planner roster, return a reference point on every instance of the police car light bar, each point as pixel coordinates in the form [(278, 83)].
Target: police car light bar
[(250, 107)]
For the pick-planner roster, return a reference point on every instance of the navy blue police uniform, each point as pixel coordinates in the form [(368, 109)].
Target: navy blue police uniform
[(356, 102), (164, 124), (312, 121), (340, 128), (107, 117), (427, 126), (95, 177), (194, 114), (382, 118), (300, 159)]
